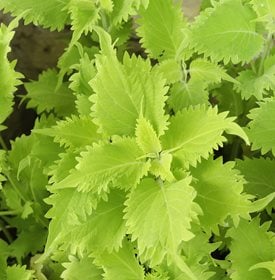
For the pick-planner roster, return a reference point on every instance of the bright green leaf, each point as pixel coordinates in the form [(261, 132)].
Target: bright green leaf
[(162, 29), (227, 32), (147, 138), (158, 219), (50, 14), (126, 91), (81, 269), (106, 163), (251, 244), (261, 130), (194, 133), (219, 193), (122, 264), (17, 272), (259, 175), (73, 132), (45, 97)]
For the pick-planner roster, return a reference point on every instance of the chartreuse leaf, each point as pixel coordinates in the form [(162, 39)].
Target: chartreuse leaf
[(162, 29), (158, 219), (261, 130), (27, 178), (16, 272), (50, 14), (184, 95), (106, 5), (171, 70), (84, 16), (147, 138), (9, 78), (122, 264), (202, 70), (124, 92), (62, 166), (65, 213), (194, 133), (106, 163), (203, 74), (45, 97), (251, 244), (265, 10), (227, 32), (267, 265), (73, 132), (252, 84), (83, 268), (259, 175), (161, 167), (107, 218), (219, 193), (80, 80), (197, 255), (30, 239), (122, 9)]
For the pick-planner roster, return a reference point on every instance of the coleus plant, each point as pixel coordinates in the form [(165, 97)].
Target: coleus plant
[(151, 166)]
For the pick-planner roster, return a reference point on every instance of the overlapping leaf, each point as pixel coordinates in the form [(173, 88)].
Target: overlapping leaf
[(261, 130), (194, 133), (219, 193), (83, 268), (84, 16), (19, 272), (208, 72), (107, 218), (121, 265), (9, 78), (162, 29), (49, 13), (147, 138), (45, 97), (124, 92), (106, 163), (252, 84), (251, 244), (122, 9), (227, 32), (80, 80), (65, 213), (259, 175), (158, 219), (73, 132), (265, 10), (184, 95), (267, 265)]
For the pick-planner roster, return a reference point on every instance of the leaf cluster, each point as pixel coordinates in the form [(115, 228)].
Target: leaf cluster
[(151, 166)]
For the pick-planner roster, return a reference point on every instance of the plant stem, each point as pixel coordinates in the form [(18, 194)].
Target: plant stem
[(268, 46), (16, 188), (8, 212)]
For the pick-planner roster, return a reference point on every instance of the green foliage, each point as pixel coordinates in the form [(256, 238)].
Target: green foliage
[(161, 29), (158, 237), (9, 78), (147, 162), (261, 132), (227, 32), (251, 244)]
